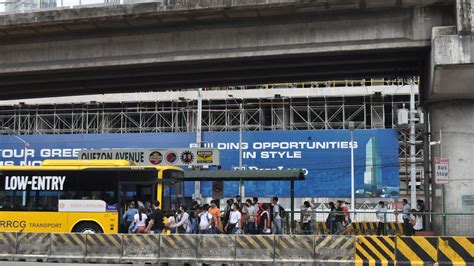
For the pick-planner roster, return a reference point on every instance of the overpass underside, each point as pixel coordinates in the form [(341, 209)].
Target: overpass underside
[(141, 47)]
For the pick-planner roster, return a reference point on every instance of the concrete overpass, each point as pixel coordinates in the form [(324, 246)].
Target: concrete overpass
[(150, 46), (155, 46)]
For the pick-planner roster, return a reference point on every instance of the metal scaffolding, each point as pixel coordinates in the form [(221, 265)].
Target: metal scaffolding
[(275, 111), (217, 115)]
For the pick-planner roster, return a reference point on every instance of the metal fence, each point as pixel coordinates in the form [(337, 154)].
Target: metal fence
[(367, 223)]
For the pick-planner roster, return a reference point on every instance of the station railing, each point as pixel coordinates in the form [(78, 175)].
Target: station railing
[(366, 223)]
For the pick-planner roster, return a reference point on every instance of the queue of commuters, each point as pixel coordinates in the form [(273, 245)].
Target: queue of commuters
[(249, 217), (252, 217)]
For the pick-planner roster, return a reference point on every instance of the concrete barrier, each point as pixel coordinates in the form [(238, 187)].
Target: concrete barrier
[(376, 250), (417, 250), (33, 246), (294, 249), (178, 248), (68, 248), (103, 248), (255, 249), (237, 249), (456, 250), (140, 248), (333, 248), (7, 246), (216, 249)]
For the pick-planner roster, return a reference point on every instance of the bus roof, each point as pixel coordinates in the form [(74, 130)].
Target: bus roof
[(84, 164)]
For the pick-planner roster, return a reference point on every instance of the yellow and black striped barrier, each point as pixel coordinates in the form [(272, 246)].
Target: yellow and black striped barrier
[(255, 248), (334, 248), (67, 248), (216, 248), (375, 250), (369, 228), (33, 246), (177, 247), (7, 245), (103, 248), (294, 248), (223, 249), (140, 248), (393, 228), (417, 250), (456, 250)]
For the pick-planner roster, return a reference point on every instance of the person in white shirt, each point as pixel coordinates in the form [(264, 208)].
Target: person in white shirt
[(183, 223), (205, 220), (381, 212), (140, 220), (235, 218), (276, 216), (407, 228), (252, 221), (306, 218)]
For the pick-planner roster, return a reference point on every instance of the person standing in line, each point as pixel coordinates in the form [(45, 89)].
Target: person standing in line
[(339, 217), (235, 220), (156, 225), (193, 216), (381, 213), (140, 220), (128, 216), (216, 216), (183, 222), (255, 201), (306, 218), (420, 208), (407, 228), (238, 200), (205, 220), (331, 219), (276, 216), (227, 211), (264, 225), (252, 217)]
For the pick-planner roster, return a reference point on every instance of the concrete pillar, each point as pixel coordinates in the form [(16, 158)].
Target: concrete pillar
[(464, 16), (455, 119)]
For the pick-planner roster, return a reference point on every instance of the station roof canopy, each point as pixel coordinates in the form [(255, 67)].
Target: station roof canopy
[(245, 175)]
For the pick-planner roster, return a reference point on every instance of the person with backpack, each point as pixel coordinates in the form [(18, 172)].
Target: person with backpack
[(183, 222), (140, 220), (205, 220), (129, 216), (276, 216), (264, 222)]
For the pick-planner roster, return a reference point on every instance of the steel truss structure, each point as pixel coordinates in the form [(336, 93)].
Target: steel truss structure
[(274, 113)]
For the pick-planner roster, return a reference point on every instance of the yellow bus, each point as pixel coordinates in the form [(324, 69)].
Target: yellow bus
[(86, 196)]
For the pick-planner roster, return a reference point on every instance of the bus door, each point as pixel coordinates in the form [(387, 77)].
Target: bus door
[(141, 194), (173, 195)]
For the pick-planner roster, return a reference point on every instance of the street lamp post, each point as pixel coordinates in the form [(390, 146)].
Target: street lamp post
[(351, 128), (26, 145)]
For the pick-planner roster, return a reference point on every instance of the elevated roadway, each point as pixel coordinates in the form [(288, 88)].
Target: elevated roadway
[(153, 46)]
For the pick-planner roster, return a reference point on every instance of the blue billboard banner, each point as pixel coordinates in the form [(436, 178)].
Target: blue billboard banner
[(324, 156)]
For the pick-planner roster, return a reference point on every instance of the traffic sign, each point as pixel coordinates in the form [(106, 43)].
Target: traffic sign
[(441, 165)]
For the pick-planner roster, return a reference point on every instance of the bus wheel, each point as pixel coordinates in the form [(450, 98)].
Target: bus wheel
[(87, 228)]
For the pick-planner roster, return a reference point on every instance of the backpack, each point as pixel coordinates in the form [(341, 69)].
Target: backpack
[(283, 214)]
